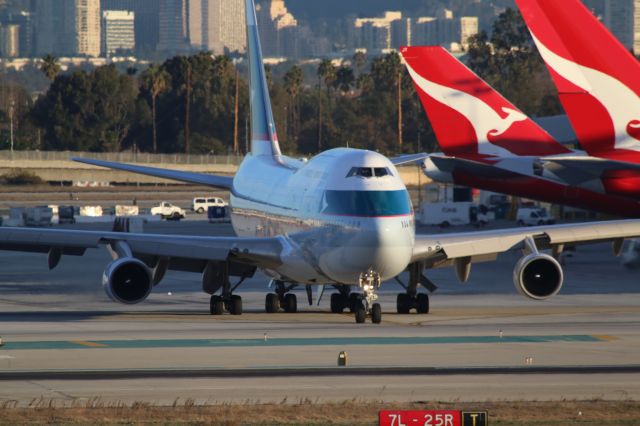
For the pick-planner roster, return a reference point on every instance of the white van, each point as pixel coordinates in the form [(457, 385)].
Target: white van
[(202, 204), (532, 216)]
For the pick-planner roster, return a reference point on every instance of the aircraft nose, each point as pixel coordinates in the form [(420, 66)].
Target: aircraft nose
[(382, 245)]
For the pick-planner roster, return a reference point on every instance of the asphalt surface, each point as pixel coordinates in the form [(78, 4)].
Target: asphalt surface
[(64, 339)]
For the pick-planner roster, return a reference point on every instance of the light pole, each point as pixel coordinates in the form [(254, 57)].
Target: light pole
[(11, 125)]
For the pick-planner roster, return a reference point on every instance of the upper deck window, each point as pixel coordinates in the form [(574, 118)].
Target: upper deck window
[(367, 172)]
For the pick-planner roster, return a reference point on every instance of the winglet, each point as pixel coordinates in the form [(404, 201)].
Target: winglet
[(264, 138), (467, 115)]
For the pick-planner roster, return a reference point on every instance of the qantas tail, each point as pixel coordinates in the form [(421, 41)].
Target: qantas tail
[(467, 115), (264, 138), (598, 79)]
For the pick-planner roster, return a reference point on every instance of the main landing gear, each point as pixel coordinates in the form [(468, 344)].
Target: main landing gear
[(412, 299), (218, 277), (281, 299)]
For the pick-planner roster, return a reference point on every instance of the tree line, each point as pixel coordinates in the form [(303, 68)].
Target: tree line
[(199, 103)]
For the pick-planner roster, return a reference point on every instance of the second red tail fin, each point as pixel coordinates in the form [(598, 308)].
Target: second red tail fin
[(467, 115)]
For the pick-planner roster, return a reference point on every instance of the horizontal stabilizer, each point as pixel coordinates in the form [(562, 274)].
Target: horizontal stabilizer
[(225, 182)]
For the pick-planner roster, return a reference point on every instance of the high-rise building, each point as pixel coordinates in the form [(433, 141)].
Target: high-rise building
[(636, 27), (619, 18), (118, 32), (278, 29), (147, 21), (67, 27), (174, 31), (9, 41), (87, 27)]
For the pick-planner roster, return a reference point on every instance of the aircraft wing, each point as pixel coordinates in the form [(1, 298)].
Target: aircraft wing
[(440, 250), (189, 253), (224, 182), (410, 158), (576, 170), (454, 164)]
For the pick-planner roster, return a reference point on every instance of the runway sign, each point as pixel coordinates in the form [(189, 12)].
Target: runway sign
[(434, 418)]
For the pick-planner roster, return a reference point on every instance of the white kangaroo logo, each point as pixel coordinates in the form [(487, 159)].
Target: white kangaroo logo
[(620, 101), (484, 119)]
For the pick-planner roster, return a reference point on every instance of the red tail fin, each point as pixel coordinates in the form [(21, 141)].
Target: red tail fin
[(597, 78), (467, 115)]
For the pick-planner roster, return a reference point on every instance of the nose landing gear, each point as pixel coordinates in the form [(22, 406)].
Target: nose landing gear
[(369, 282)]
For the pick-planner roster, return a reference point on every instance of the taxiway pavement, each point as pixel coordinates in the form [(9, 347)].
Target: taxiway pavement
[(61, 321)]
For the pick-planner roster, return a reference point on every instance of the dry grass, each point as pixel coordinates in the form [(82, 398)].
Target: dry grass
[(96, 412)]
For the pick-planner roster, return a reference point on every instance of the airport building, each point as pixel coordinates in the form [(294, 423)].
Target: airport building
[(118, 32)]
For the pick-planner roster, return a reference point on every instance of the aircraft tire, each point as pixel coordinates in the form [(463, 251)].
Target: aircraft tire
[(272, 303), (337, 304), (360, 314), (403, 303), (422, 303), (376, 313), (235, 305), (290, 303), (216, 305)]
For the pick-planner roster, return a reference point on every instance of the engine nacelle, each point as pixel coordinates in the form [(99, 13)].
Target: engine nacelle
[(127, 280), (538, 276)]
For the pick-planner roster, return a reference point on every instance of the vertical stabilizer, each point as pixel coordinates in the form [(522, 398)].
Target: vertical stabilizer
[(264, 138), (598, 79), (467, 115)]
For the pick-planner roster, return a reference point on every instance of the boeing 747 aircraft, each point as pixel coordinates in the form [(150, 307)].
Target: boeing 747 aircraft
[(344, 219)]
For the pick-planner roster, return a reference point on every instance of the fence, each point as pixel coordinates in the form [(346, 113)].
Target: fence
[(124, 157)]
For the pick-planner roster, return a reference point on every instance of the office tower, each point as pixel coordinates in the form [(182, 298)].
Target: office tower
[(278, 29), (173, 26), (118, 32), (67, 27), (9, 41), (619, 18), (147, 21)]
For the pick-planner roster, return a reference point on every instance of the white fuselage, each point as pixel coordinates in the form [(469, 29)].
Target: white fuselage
[(335, 226)]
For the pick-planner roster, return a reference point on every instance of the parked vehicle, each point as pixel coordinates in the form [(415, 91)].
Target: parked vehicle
[(168, 211), (217, 214), (202, 204), (532, 216)]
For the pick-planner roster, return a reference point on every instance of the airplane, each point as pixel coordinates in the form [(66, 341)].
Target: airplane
[(344, 218), (597, 80), (488, 143)]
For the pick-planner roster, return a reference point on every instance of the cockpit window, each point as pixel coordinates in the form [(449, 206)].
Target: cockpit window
[(382, 171), (367, 172)]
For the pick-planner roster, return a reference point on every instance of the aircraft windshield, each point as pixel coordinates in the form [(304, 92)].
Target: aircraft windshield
[(366, 203)]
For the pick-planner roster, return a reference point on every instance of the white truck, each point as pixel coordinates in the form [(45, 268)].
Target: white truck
[(168, 211), (445, 214), (532, 216)]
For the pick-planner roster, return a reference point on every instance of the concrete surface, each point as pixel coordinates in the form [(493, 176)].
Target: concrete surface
[(62, 321)]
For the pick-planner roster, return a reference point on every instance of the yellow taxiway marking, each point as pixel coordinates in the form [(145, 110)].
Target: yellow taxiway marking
[(90, 344), (605, 337)]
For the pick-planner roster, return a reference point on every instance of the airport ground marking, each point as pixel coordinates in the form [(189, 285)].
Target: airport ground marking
[(278, 342)]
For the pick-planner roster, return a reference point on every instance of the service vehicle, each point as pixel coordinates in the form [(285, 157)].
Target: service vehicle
[(168, 211), (202, 204)]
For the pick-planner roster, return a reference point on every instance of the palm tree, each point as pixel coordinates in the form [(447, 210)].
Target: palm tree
[(344, 79), (326, 73), (50, 67), (292, 84), (155, 80)]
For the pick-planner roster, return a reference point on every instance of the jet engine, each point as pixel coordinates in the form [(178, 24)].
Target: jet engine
[(538, 276), (127, 280)]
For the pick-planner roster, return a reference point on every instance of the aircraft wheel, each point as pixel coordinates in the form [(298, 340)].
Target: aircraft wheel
[(354, 301), (376, 313), (360, 314), (290, 303), (422, 303), (337, 305), (403, 303), (235, 305), (216, 305), (272, 303)]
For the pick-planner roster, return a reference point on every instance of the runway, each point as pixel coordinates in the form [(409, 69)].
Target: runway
[(64, 339)]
